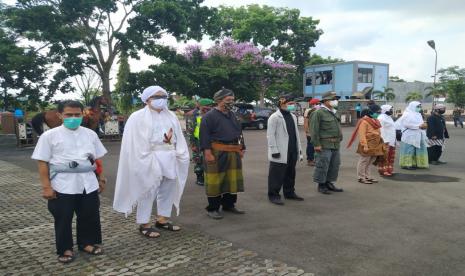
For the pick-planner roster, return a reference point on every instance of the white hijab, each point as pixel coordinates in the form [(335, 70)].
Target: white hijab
[(410, 123), (388, 129)]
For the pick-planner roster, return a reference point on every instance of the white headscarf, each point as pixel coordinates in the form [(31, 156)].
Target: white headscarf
[(388, 130), (150, 91), (409, 123), (385, 108)]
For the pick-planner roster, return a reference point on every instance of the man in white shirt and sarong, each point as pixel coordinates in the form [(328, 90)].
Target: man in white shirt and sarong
[(71, 181), (153, 165)]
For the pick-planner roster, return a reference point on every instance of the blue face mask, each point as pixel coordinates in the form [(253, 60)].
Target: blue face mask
[(72, 123), (290, 107), (375, 115), (418, 109)]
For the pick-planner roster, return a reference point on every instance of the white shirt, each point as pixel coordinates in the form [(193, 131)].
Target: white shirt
[(166, 158), (61, 145)]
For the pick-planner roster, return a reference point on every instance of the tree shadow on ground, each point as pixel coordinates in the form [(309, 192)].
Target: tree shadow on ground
[(430, 178)]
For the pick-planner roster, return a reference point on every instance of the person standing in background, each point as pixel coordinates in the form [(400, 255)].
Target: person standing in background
[(314, 104), (388, 133)]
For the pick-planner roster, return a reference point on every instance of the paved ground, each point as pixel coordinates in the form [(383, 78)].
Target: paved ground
[(411, 224), (27, 243)]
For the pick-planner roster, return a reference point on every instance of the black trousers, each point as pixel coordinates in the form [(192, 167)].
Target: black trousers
[(227, 200), (88, 229), (434, 153), (282, 175)]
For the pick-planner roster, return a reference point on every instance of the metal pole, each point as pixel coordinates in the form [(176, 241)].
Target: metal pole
[(5, 100), (435, 69)]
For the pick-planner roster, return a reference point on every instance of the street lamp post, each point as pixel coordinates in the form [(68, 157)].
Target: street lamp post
[(433, 45)]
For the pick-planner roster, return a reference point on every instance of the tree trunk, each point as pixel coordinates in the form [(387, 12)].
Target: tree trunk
[(262, 98), (106, 85)]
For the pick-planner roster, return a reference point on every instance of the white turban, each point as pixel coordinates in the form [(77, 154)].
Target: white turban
[(385, 108), (150, 91)]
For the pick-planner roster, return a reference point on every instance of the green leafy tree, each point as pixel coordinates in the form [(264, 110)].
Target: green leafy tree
[(316, 59), (91, 34), (413, 96), (435, 92), (452, 82), (284, 31), (387, 94), (122, 94), (22, 71)]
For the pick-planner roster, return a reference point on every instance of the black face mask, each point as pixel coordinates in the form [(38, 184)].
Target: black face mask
[(389, 113), (229, 106), (441, 111)]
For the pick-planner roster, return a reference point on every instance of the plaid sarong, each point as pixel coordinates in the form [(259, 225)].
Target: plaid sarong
[(224, 175)]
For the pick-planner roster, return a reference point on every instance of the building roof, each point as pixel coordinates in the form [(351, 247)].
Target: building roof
[(346, 62)]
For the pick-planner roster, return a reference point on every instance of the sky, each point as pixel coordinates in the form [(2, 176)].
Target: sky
[(393, 32)]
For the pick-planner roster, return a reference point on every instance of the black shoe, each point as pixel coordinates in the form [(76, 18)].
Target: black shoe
[(200, 180), (276, 201), (322, 188), (409, 168), (294, 197), (214, 214), (434, 163), (333, 188), (441, 162), (234, 210)]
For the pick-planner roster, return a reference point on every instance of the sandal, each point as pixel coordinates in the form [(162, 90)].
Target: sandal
[(372, 180), (65, 258), (167, 226), (148, 231), (96, 250), (364, 181)]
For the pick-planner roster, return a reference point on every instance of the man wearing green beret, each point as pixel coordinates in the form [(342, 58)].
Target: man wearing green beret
[(327, 137), (197, 155)]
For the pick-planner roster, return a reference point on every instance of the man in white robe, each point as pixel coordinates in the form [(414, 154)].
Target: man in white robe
[(153, 165)]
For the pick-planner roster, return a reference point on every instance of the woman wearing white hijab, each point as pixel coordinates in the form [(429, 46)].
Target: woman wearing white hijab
[(413, 146), (388, 133), (153, 164)]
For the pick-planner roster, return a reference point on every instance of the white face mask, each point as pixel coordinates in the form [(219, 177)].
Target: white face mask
[(334, 103), (159, 103)]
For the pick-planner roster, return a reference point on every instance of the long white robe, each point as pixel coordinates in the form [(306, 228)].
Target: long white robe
[(409, 123), (139, 171)]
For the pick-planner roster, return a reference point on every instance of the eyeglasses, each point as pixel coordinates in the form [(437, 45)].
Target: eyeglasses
[(157, 97)]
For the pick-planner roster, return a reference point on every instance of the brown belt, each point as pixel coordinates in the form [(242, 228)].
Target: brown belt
[(225, 147), (331, 139)]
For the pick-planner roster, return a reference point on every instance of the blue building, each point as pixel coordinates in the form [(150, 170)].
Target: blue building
[(345, 78)]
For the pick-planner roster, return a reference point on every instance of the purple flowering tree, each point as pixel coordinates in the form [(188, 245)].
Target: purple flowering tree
[(268, 76)]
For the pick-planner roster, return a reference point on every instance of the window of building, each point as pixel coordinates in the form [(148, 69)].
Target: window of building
[(309, 79), (365, 75), (324, 77)]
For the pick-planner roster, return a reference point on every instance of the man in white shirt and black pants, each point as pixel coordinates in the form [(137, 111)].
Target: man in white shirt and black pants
[(71, 176)]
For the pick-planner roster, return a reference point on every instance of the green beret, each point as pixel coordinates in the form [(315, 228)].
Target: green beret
[(205, 102)]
